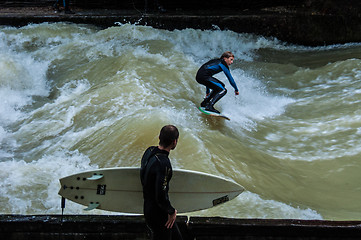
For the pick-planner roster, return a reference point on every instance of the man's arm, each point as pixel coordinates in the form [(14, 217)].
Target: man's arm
[(229, 76), (161, 191)]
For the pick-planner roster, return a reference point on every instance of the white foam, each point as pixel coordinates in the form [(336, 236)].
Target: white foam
[(22, 78), (208, 44), (32, 187), (271, 209), (253, 103), (251, 205)]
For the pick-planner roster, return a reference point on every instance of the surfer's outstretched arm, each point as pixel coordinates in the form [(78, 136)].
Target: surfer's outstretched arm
[(230, 78)]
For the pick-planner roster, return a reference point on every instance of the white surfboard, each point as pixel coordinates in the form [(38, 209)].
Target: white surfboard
[(120, 190)]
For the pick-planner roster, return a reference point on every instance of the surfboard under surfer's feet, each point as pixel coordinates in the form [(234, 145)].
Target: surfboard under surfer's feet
[(212, 109), (207, 112), (208, 107)]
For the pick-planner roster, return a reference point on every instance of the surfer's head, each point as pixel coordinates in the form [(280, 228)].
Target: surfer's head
[(168, 137), (228, 57)]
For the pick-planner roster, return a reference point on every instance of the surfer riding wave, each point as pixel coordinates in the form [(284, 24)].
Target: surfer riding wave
[(205, 77)]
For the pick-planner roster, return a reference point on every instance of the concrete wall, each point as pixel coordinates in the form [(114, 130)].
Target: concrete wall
[(322, 6), (171, 4), (97, 227), (325, 6), (298, 28), (305, 22)]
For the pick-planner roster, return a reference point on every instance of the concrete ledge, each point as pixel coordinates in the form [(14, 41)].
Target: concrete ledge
[(223, 228), (49, 227)]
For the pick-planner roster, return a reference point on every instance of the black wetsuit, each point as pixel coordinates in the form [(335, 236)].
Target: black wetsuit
[(205, 76), (155, 174)]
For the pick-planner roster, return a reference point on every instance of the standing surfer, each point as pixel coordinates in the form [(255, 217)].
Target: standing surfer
[(205, 76), (155, 174)]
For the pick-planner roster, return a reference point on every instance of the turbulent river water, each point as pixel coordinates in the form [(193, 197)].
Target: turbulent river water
[(77, 97)]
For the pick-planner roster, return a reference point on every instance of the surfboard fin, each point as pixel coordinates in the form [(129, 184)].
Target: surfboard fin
[(95, 177), (92, 206)]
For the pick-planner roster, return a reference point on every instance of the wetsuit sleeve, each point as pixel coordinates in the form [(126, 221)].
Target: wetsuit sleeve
[(161, 190), (207, 90), (229, 76)]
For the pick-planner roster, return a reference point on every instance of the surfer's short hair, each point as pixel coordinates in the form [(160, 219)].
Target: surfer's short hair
[(227, 54), (167, 135)]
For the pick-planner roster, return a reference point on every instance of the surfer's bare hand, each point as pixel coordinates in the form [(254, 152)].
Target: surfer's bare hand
[(171, 220), (236, 92)]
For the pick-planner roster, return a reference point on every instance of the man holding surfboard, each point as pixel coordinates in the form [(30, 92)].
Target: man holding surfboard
[(155, 174), (205, 77)]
